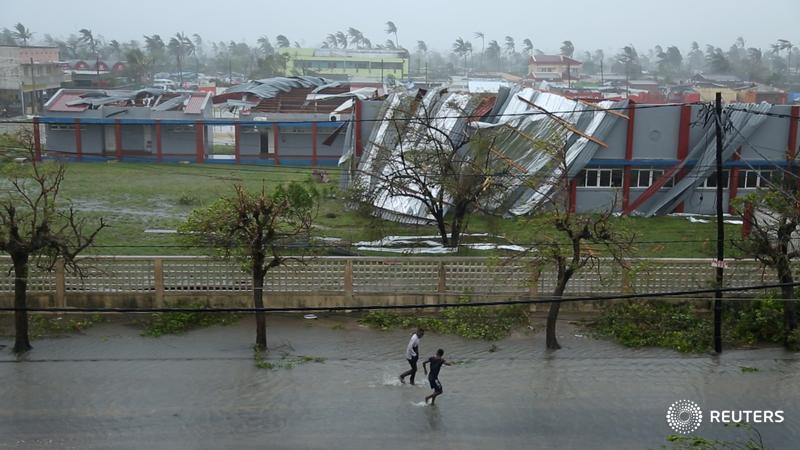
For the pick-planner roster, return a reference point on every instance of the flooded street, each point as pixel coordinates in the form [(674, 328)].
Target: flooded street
[(111, 388)]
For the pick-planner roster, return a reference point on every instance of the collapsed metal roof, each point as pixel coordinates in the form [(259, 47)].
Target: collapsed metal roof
[(271, 87), (516, 123)]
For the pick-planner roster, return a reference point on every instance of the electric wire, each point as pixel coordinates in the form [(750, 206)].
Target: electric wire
[(521, 300)]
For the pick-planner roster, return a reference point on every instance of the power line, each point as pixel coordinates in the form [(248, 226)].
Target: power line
[(527, 300)]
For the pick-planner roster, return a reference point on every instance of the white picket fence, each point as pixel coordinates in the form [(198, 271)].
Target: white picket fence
[(399, 275)]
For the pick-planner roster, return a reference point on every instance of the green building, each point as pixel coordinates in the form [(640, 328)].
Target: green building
[(342, 64)]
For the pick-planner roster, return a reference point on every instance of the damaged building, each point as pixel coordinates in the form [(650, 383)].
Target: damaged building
[(296, 120), (148, 123), (635, 158)]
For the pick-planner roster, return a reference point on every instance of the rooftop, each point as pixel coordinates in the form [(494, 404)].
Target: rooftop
[(554, 59)]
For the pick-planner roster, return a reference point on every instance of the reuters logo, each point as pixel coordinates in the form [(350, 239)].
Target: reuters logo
[(684, 416)]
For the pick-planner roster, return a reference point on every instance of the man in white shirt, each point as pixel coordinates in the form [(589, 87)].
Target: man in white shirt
[(412, 355)]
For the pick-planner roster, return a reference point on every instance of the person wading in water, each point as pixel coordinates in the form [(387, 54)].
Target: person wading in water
[(412, 355), (436, 363)]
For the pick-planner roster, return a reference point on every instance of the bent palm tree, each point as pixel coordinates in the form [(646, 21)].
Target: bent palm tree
[(22, 34)]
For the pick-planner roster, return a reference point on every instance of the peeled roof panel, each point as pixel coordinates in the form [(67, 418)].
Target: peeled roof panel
[(171, 103), (705, 153), (270, 87)]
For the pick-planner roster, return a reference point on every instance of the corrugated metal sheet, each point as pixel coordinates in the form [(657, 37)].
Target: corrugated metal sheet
[(62, 103), (516, 128), (195, 104), (705, 152)]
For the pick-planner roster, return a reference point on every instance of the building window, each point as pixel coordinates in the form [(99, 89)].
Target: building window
[(181, 129), (753, 179), (600, 178), (644, 178), (711, 181)]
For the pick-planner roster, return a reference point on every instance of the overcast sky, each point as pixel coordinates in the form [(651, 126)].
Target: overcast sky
[(590, 24)]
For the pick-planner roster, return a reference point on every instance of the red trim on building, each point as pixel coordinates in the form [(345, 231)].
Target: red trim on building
[(159, 150), (237, 143), (314, 144), (276, 140), (626, 179), (357, 117), (37, 140), (199, 142), (573, 195), (118, 139), (683, 143), (78, 140)]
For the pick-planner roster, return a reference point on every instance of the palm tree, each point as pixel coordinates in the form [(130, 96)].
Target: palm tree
[(389, 45), (422, 48), (482, 37), (88, 38), (783, 44), (341, 38), (567, 49), (137, 64), (391, 28), (116, 48), (356, 37), (528, 46), (493, 51), (265, 46), (511, 45), (460, 48), (282, 41), (21, 33), (182, 47), (366, 43), (332, 41)]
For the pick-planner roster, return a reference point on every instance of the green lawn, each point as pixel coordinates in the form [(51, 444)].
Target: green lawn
[(134, 197)]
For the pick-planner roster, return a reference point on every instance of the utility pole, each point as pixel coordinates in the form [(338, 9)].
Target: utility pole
[(33, 90), (720, 263)]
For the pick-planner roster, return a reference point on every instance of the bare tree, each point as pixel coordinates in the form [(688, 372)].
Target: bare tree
[(253, 227), (567, 241), (773, 214), (35, 230), (451, 175)]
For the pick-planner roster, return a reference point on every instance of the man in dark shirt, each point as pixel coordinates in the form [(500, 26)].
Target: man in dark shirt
[(436, 363)]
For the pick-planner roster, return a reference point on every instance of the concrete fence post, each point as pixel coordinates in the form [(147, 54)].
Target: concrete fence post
[(158, 279), (533, 284), (348, 279), (61, 284), (441, 284)]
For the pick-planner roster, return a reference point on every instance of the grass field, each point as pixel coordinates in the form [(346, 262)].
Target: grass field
[(134, 197)]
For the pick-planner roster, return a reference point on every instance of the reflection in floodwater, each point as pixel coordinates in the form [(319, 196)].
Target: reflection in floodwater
[(112, 388)]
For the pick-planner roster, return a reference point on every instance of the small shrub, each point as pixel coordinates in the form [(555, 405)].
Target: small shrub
[(472, 322), (44, 325), (187, 199), (161, 324)]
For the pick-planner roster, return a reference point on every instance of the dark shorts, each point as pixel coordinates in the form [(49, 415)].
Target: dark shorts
[(436, 385)]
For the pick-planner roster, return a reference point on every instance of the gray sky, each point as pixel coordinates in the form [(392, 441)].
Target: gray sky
[(590, 24)]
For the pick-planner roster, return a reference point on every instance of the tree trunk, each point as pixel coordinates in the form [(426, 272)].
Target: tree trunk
[(789, 306), (442, 227), (552, 314), (258, 302), (22, 342), (457, 224)]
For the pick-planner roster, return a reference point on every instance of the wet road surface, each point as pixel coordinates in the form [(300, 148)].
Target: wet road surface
[(111, 388)]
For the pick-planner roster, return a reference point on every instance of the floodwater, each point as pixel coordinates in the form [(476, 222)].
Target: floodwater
[(111, 388)]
